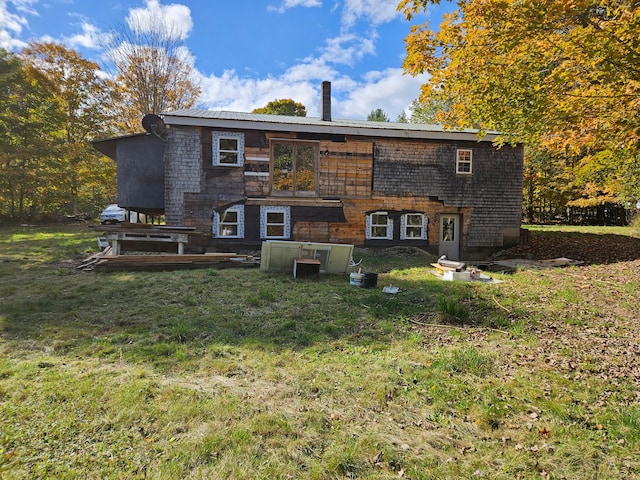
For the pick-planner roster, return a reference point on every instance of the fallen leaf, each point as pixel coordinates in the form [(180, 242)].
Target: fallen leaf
[(544, 432)]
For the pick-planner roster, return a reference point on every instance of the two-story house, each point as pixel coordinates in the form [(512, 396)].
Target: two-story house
[(242, 178)]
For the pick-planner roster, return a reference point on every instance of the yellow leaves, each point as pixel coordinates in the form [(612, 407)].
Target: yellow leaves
[(420, 49), (412, 7), (536, 67), (409, 8)]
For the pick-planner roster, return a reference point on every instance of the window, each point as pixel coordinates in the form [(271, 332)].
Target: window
[(463, 163), (293, 168), (448, 229), (413, 226), (230, 223), (228, 149), (379, 226), (275, 222)]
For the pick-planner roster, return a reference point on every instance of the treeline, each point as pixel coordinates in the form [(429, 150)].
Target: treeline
[(54, 102)]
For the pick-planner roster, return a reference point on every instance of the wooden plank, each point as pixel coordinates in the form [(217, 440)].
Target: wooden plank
[(93, 259), (174, 261), (173, 258)]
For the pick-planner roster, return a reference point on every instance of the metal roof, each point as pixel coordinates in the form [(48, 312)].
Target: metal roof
[(258, 121)]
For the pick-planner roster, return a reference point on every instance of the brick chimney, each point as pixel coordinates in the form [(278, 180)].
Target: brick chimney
[(326, 101)]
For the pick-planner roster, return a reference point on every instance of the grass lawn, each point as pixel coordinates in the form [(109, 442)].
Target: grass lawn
[(238, 374)]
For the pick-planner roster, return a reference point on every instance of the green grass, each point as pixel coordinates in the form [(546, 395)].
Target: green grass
[(240, 374)]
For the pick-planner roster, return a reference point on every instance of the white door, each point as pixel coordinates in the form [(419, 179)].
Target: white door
[(450, 236)]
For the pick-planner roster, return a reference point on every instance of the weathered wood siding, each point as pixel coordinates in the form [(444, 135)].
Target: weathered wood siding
[(183, 171), (345, 169), (493, 192), (363, 175)]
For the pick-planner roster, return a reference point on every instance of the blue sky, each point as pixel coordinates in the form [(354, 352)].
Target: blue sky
[(249, 52)]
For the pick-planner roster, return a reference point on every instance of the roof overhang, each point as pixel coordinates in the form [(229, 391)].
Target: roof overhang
[(108, 146), (315, 125)]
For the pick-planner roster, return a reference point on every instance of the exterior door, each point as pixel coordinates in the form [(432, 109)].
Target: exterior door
[(450, 235)]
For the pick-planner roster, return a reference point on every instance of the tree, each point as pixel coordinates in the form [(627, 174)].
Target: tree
[(285, 106), (428, 111), (153, 71), (30, 118), (561, 75), (377, 115), (82, 180)]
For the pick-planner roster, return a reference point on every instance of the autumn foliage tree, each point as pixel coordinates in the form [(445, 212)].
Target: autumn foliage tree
[(561, 76), (30, 135), (153, 71), (81, 179), (284, 106)]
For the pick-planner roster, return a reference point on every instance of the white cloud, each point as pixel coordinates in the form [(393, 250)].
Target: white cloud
[(235, 93), (311, 69), (176, 18), (91, 37), (12, 21), (287, 4), (349, 48), (375, 11), (390, 90), (23, 6)]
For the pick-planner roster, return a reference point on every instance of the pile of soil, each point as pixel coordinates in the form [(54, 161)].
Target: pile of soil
[(592, 249)]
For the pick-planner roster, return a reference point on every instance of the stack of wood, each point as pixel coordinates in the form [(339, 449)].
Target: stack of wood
[(105, 261)]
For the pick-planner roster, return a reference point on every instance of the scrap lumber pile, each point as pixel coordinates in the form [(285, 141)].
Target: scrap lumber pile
[(105, 261)]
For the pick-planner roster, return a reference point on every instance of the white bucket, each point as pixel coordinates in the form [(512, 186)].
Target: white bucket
[(356, 279)]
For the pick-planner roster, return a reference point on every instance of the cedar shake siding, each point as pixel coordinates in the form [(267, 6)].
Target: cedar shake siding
[(364, 183), (493, 192)]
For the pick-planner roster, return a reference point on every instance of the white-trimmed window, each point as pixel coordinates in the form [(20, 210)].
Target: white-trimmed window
[(464, 159), (379, 226), (413, 226), (228, 149), (275, 222), (230, 223)]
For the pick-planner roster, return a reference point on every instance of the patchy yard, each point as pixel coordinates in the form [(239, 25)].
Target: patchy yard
[(237, 374)]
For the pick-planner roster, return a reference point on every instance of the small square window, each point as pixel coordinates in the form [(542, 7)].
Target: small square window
[(464, 161), (413, 226), (230, 223), (379, 226), (275, 222), (228, 149)]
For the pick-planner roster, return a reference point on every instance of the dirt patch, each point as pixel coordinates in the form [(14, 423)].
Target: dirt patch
[(586, 247)]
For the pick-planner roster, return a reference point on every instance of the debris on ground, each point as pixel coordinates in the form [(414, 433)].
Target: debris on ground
[(515, 263), (104, 260)]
